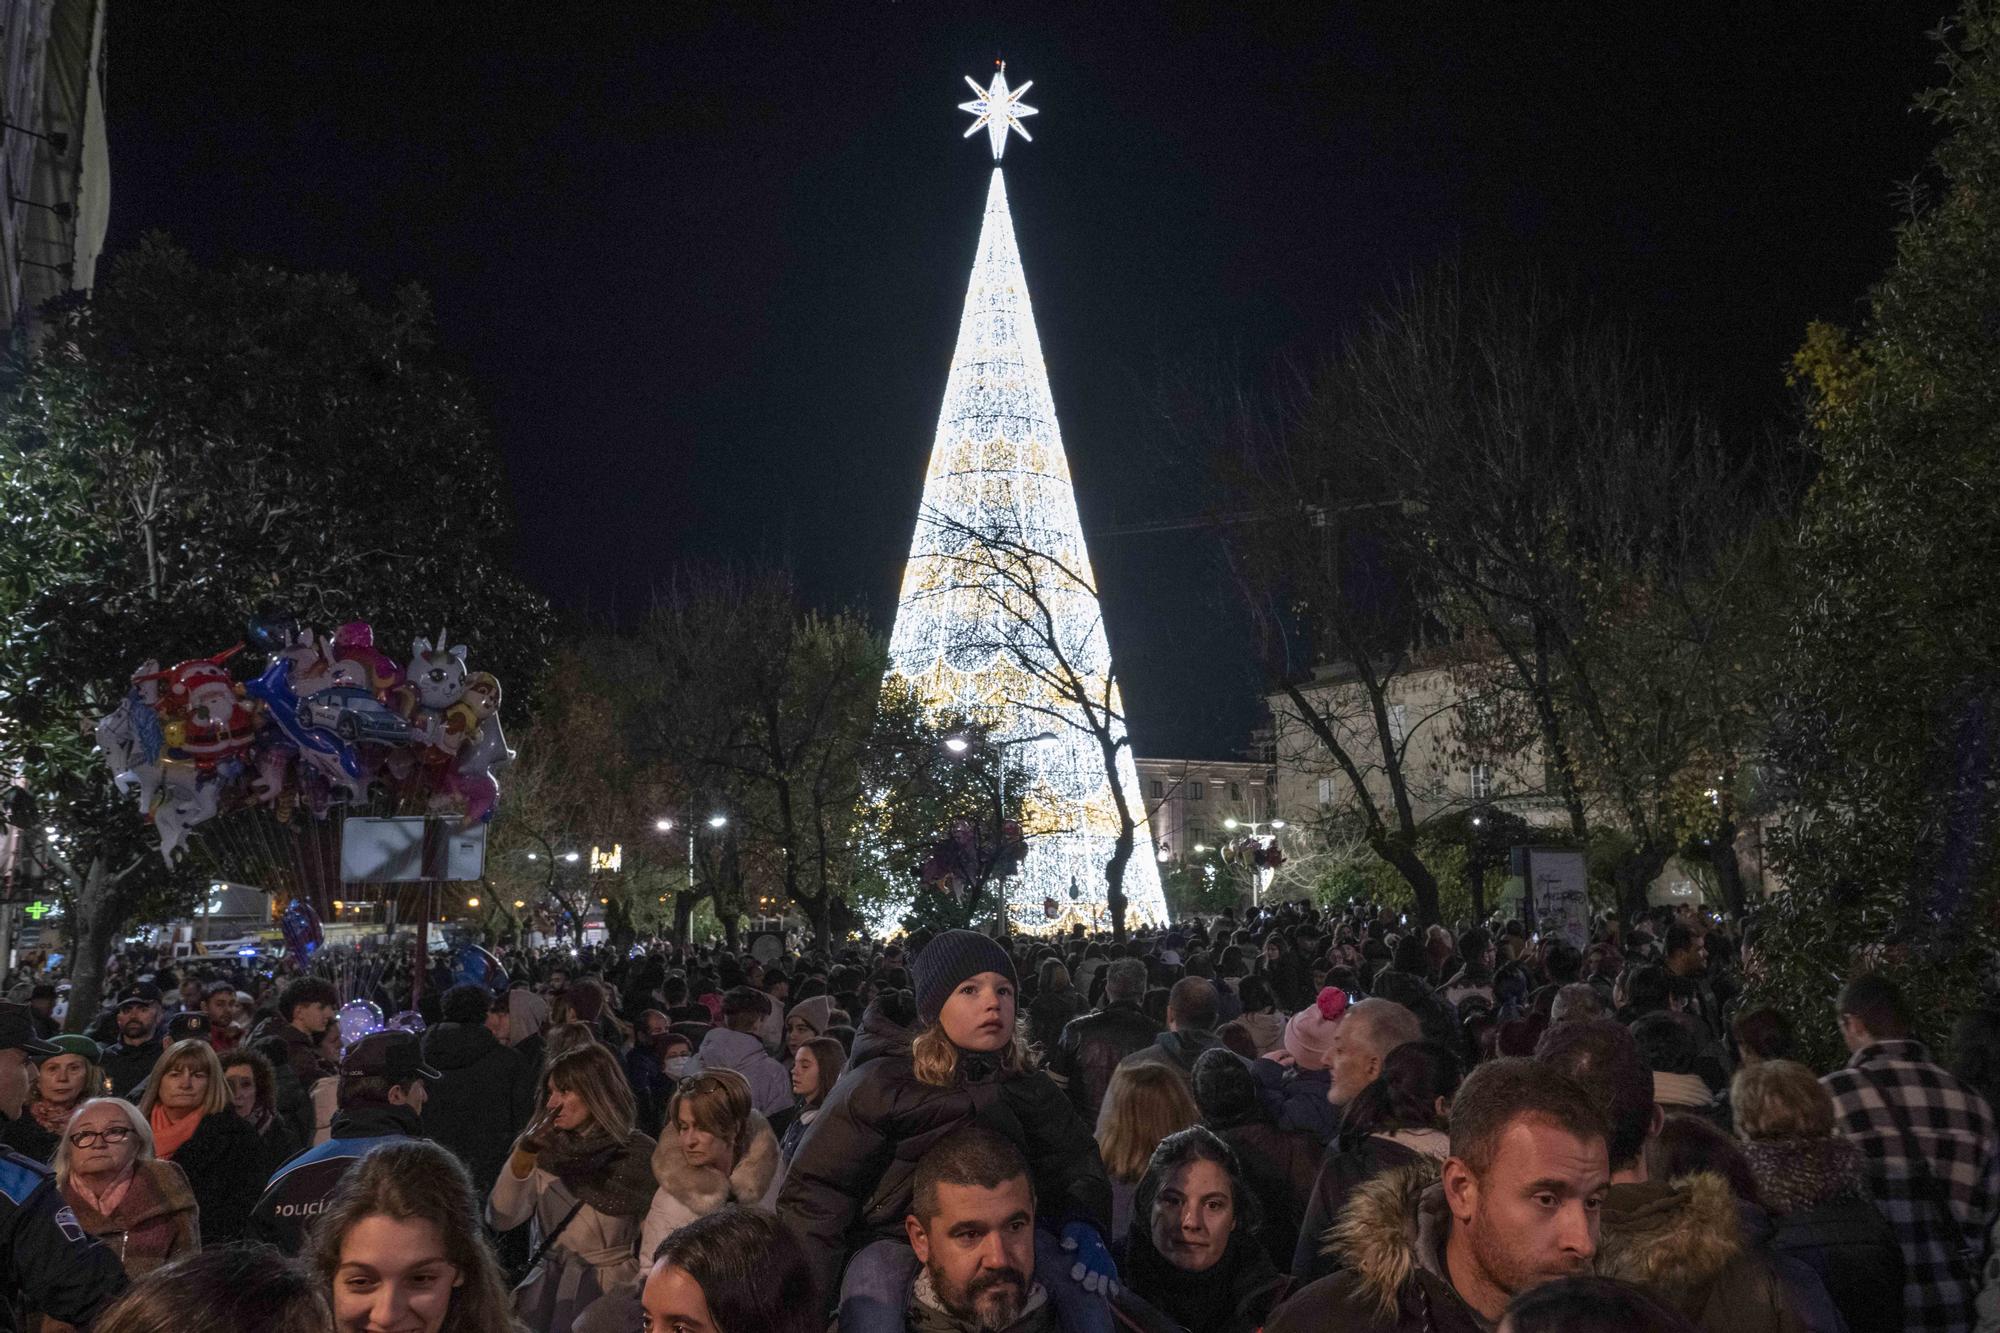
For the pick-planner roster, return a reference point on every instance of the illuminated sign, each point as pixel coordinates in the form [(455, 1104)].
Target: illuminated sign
[(41, 911), (608, 862)]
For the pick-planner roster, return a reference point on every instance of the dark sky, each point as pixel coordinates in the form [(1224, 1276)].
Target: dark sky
[(704, 263)]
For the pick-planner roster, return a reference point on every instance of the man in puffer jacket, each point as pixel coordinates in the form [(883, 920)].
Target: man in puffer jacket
[(1682, 1242), (1092, 1046), (1443, 1250)]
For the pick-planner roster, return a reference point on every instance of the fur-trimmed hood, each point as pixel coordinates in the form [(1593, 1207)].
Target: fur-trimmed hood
[(1678, 1236), (1393, 1225), (703, 1189)]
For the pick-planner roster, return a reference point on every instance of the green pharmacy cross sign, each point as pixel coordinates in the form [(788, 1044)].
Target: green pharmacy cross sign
[(37, 911)]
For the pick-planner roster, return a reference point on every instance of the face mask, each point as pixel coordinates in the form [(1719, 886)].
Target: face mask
[(680, 1066)]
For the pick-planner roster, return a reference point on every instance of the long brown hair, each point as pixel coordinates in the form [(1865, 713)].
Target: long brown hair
[(830, 1058), (751, 1271), (416, 1179), (719, 1103), (592, 1074), (1143, 1104)]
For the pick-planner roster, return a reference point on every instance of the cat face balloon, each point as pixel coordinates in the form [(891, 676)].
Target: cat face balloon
[(437, 674)]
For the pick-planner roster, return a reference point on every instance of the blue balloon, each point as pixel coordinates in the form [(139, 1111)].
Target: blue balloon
[(474, 966)]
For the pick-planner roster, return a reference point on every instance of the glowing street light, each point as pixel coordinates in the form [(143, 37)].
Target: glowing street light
[(472, 902), (572, 857), (664, 825), (717, 821)]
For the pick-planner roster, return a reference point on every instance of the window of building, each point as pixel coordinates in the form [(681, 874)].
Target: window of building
[(1195, 791), (1236, 792), (1159, 789), (1482, 781), (1398, 724), (1197, 836), (1326, 791)]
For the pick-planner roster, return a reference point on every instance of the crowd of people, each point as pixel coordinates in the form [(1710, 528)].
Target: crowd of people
[(1300, 1121)]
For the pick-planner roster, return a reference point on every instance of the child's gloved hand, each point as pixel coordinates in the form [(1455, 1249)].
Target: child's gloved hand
[(1093, 1266)]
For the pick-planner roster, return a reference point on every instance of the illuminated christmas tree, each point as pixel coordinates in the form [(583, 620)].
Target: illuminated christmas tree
[(999, 615)]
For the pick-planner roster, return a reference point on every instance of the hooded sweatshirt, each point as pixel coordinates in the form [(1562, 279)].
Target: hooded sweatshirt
[(770, 1085)]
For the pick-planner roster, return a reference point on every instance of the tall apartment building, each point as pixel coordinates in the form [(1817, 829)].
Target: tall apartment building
[(1189, 800)]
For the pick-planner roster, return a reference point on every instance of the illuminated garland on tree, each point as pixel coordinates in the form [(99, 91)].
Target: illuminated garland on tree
[(999, 520)]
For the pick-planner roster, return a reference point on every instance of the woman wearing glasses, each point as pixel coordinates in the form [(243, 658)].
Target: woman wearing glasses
[(138, 1205)]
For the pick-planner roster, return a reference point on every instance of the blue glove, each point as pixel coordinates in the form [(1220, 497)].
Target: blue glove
[(1093, 1267)]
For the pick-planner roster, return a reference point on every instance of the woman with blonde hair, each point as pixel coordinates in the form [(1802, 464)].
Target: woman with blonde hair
[(849, 1188), (716, 1150), (583, 1174), (400, 1246), (188, 1110), (140, 1206), (1809, 1179), (1144, 1103)]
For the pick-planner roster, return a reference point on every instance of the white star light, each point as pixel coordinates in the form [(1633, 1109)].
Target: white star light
[(998, 110)]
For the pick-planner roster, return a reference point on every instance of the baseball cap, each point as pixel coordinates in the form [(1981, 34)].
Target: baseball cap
[(139, 992), (17, 1031), (193, 1023), (396, 1056)]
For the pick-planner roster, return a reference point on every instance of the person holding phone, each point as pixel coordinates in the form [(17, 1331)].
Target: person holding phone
[(583, 1174)]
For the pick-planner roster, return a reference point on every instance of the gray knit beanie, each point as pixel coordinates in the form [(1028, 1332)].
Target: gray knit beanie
[(949, 959)]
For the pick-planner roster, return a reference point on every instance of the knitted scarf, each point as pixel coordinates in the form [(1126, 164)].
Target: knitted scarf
[(50, 1116), (614, 1178), (1794, 1175), (170, 1135)]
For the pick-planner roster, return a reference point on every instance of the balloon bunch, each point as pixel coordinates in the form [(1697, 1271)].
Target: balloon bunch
[(322, 723), (962, 860), (1254, 854)]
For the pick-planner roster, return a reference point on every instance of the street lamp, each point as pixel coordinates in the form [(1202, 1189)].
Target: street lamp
[(664, 825), (572, 857), (1256, 875), (717, 821), (960, 745)]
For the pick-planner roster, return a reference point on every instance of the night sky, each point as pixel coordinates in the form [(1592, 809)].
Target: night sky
[(704, 263)]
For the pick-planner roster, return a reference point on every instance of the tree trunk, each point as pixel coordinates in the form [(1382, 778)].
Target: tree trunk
[(1635, 870), (1478, 876), (732, 931), (1423, 884), (685, 902), (96, 926), (1114, 881), (1728, 870), (819, 915)]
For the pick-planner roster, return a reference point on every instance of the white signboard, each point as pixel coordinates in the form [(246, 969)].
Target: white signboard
[(389, 851), (1561, 888)]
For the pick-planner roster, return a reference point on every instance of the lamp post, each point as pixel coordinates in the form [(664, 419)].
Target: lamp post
[(963, 745), (1256, 876), (665, 825)]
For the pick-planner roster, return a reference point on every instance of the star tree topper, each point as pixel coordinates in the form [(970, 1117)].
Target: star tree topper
[(998, 110)]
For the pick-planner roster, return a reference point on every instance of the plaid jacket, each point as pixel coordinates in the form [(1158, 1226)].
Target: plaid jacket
[(1954, 1130)]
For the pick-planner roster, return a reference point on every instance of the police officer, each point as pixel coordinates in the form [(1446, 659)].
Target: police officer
[(137, 1047), (47, 1262), (383, 1088)]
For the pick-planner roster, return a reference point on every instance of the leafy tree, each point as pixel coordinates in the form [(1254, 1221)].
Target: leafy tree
[(185, 446), (1889, 712)]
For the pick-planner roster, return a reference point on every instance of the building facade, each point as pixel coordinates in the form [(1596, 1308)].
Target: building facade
[(53, 154), (1190, 801)]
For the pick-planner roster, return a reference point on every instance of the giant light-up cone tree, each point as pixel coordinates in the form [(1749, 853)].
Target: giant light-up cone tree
[(999, 616)]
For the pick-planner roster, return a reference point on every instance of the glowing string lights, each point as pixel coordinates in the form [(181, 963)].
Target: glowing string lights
[(998, 467), (997, 110)]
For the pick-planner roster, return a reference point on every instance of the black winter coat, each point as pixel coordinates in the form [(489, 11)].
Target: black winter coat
[(1280, 1165), (1091, 1047), (1854, 1250), (481, 1103), (850, 1181), (224, 1163), (125, 1067), (1340, 1173)]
